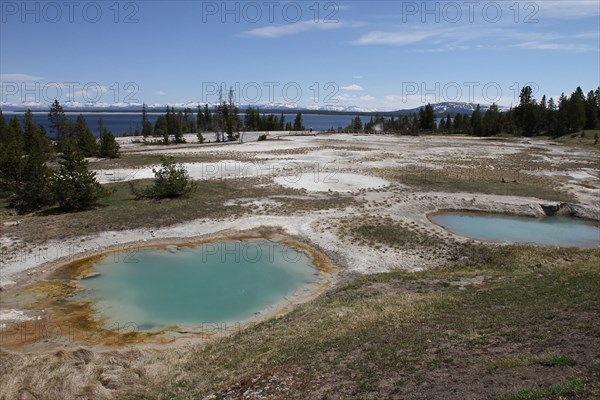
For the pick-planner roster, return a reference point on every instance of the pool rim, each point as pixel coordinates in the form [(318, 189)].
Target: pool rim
[(82, 263), (430, 215)]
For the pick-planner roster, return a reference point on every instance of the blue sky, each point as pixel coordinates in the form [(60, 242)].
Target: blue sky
[(376, 54)]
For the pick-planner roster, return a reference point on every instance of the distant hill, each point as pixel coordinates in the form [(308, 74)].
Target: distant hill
[(453, 108)]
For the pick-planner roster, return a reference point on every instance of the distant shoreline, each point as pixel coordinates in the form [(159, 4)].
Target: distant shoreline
[(162, 111)]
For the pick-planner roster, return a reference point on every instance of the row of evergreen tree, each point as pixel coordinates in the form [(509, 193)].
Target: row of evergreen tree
[(224, 121), (530, 118), (254, 121), (547, 116), (425, 120), (171, 124), (26, 156), (78, 136)]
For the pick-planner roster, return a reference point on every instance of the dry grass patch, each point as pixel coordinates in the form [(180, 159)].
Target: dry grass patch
[(121, 210), (374, 231), (486, 180)]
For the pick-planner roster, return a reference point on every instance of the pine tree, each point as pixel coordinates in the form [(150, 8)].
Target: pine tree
[(31, 129), (35, 189), (597, 97), (542, 115), (34, 133), (208, 123), (86, 141), (236, 123), (526, 112), (75, 186), (457, 121), (57, 121), (427, 117), (466, 126), (414, 120), (562, 117), (178, 127), (298, 126), (591, 111), (281, 122), (200, 121), (3, 126), (189, 123), (491, 124), (11, 156), (576, 111), (161, 128), (109, 148), (448, 126), (147, 129)]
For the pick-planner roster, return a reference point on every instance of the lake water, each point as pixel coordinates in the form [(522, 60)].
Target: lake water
[(121, 123), (229, 281), (560, 231)]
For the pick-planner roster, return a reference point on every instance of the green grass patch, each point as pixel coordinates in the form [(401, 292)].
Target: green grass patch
[(121, 210), (139, 160), (586, 139), (379, 230), (214, 199), (562, 390), (548, 360), (473, 180), (404, 329)]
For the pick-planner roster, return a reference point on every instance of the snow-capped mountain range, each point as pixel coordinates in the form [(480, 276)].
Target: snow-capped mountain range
[(441, 109)]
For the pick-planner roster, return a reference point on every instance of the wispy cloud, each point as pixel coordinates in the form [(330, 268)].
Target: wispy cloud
[(461, 38), (557, 46), (353, 87), (19, 78), (347, 98), (587, 35), (392, 38), (568, 8), (160, 93), (357, 77), (291, 29)]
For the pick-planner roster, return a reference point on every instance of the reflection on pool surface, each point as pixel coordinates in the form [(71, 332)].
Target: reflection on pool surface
[(561, 231), (229, 281)]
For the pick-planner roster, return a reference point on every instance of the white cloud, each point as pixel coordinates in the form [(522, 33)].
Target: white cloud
[(19, 78), (357, 77), (290, 29), (567, 9), (392, 38), (485, 37), (587, 35), (160, 93), (395, 98), (347, 98), (557, 46), (353, 87)]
